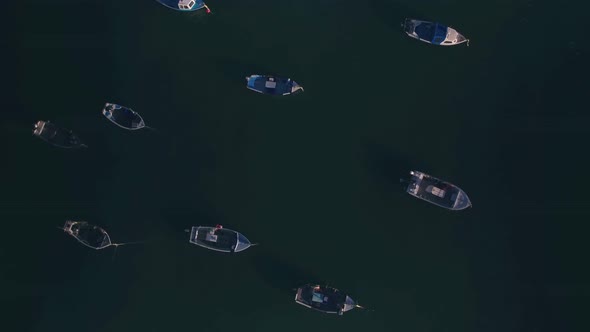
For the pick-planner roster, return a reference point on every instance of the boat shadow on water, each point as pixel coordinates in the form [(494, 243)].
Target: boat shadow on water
[(235, 69), (391, 13), (386, 167), (281, 274)]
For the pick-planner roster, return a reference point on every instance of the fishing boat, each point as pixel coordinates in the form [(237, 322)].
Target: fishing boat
[(185, 5), (89, 235), (123, 117), (433, 33), (272, 85), (437, 192), (219, 239), (325, 299), (57, 136)]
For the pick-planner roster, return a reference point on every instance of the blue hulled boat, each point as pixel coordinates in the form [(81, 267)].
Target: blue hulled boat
[(185, 5), (272, 85), (433, 33)]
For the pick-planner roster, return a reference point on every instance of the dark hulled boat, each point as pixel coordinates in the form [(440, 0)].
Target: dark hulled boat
[(272, 85), (219, 239), (123, 117), (88, 234), (325, 299), (437, 192), (60, 137), (433, 33)]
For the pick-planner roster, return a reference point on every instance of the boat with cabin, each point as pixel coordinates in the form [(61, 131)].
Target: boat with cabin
[(437, 192), (325, 299), (273, 85), (123, 117), (219, 239), (185, 5), (89, 235), (57, 136), (433, 33)]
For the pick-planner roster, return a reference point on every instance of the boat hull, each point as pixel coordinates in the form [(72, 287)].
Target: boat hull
[(273, 85), (433, 33), (324, 299), (437, 192), (57, 136), (89, 235), (123, 117), (219, 239)]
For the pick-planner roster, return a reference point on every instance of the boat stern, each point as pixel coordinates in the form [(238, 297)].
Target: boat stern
[(194, 233), (38, 128), (409, 25)]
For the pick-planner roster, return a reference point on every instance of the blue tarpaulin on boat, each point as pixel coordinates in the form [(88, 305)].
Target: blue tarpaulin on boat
[(440, 34)]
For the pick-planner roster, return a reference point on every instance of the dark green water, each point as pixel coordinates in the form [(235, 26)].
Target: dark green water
[(313, 178)]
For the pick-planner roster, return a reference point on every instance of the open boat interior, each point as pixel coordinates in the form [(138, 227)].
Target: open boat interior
[(123, 116), (437, 192), (325, 299), (219, 239), (272, 85), (90, 235)]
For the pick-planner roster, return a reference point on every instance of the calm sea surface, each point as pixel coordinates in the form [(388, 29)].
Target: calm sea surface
[(313, 178)]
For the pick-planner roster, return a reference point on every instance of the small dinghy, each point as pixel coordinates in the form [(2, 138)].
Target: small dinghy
[(89, 235), (57, 136), (185, 5), (123, 117), (272, 85), (325, 299), (433, 33), (437, 192), (219, 239)]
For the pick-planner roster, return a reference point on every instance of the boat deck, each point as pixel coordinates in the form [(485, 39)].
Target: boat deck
[(280, 86), (327, 299), (124, 117), (91, 235), (222, 239), (56, 135), (435, 191)]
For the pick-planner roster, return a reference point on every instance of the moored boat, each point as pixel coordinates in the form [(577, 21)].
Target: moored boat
[(273, 85), (325, 299), (437, 192), (185, 5), (433, 33), (89, 235), (57, 136), (123, 117), (219, 239)]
